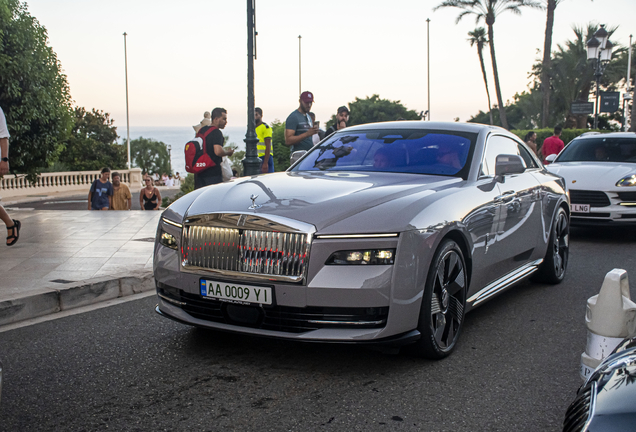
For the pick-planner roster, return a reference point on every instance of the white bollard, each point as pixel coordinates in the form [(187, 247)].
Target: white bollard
[(610, 318)]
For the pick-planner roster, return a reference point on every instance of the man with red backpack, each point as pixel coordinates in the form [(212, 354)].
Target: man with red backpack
[(213, 146)]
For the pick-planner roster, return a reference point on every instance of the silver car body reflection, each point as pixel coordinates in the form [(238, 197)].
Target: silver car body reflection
[(502, 224)]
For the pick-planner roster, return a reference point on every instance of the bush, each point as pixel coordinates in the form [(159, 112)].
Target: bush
[(187, 186), (567, 135)]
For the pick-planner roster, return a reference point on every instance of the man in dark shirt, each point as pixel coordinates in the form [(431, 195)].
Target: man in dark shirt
[(298, 127), (100, 195), (214, 147), (342, 117)]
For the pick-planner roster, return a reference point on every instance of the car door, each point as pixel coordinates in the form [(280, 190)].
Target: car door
[(518, 222)]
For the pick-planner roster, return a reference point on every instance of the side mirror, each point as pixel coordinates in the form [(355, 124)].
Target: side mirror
[(296, 155), (509, 164), (551, 158)]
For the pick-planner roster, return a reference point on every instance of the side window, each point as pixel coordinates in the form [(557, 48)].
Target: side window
[(495, 146), (527, 158)]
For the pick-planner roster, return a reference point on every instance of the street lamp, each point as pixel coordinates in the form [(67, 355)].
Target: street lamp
[(251, 163), (300, 90), (127, 117), (170, 158), (599, 49)]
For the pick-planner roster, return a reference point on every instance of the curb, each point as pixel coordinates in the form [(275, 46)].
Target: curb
[(74, 295)]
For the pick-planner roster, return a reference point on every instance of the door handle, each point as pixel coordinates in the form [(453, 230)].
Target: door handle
[(506, 197)]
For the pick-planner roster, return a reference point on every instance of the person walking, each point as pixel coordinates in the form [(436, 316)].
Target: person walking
[(122, 198), (214, 147), (13, 226), (531, 141), (342, 118), (100, 195), (298, 127), (264, 146), (553, 144), (149, 196)]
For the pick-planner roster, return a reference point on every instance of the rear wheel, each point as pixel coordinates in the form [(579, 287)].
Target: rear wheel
[(442, 312), (555, 263)]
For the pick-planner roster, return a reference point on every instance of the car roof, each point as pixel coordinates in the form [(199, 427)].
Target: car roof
[(594, 134), (450, 126)]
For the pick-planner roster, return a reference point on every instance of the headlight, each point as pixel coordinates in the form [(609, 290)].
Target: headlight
[(168, 240), (627, 181), (362, 257)]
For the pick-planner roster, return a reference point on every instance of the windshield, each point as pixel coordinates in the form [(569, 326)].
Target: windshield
[(599, 150), (404, 151)]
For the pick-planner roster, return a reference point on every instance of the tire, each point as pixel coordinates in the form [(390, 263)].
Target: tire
[(443, 303), (555, 263)]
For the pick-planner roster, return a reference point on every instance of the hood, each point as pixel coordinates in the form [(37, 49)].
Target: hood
[(334, 202), (592, 175)]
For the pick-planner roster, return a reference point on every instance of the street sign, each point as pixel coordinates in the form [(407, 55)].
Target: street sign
[(610, 101), (579, 108)]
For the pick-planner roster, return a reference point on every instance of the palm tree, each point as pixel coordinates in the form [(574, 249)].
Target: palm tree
[(547, 60), (488, 10), (478, 37)]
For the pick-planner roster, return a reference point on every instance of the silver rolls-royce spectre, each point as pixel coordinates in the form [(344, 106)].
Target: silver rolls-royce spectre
[(383, 233)]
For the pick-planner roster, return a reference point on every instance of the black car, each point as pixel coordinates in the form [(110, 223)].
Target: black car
[(607, 400)]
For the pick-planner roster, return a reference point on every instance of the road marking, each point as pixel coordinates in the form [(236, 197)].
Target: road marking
[(76, 311), (65, 202), (19, 208)]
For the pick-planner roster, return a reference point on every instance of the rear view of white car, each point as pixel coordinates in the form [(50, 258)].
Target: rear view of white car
[(600, 173)]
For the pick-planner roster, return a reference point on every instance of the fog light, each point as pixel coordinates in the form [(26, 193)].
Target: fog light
[(168, 240)]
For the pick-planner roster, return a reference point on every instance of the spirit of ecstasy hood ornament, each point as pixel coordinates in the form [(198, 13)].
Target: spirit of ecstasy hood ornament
[(254, 206)]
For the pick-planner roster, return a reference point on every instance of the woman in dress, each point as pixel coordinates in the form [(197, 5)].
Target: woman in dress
[(149, 197)]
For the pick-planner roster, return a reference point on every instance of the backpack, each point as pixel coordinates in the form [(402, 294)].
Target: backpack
[(196, 157)]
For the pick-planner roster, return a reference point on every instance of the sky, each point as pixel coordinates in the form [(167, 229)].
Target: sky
[(190, 56)]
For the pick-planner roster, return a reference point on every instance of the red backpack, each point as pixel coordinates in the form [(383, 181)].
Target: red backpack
[(196, 157)]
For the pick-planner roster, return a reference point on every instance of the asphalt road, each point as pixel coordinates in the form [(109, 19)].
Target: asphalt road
[(126, 368), (78, 202)]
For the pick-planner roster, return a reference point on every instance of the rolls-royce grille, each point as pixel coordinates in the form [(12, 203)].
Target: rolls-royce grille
[(250, 251), (278, 318), (578, 412), (593, 198)]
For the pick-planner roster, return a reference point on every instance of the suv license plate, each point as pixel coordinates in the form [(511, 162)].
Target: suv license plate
[(581, 208), (236, 293)]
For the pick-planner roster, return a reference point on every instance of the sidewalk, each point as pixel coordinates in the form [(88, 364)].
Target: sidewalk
[(68, 259)]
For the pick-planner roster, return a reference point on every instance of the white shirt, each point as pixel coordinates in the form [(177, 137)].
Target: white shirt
[(169, 182), (4, 132)]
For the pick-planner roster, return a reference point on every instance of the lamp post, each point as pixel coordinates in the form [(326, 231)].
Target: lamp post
[(300, 90), (251, 163), (127, 118), (428, 68), (599, 49), (170, 158)]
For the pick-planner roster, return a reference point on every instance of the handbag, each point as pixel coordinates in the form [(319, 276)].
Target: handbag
[(226, 169)]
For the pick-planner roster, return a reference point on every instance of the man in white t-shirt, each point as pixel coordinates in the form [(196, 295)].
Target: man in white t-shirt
[(13, 226)]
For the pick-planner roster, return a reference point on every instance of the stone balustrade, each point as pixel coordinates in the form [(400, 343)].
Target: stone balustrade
[(46, 183)]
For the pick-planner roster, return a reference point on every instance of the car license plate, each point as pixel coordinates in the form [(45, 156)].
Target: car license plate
[(236, 293), (581, 208)]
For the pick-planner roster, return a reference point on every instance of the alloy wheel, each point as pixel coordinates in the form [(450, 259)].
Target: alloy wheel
[(448, 299)]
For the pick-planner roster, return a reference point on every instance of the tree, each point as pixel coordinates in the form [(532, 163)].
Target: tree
[(547, 59), (34, 93), (92, 144), (373, 109), (150, 155), (478, 37), (488, 10), (281, 151)]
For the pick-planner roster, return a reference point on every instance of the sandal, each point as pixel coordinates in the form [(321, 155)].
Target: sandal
[(16, 232)]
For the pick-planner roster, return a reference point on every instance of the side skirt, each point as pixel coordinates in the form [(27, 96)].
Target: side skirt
[(504, 282)]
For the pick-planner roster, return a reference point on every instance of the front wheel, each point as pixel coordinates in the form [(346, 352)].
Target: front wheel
[(442, 312), (555, 263)]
